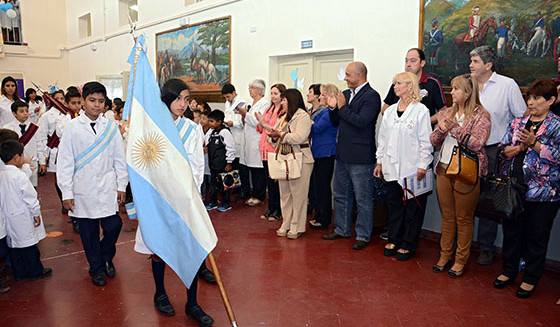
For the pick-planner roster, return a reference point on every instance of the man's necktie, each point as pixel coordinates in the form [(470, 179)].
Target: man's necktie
[(93, 127), (22, 126)]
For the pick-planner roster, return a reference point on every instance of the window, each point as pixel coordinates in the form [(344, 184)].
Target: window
[(10, 19), (84, 25), (113, 84), (128, 8)]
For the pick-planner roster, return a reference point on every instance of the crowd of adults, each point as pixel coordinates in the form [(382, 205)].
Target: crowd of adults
[(337, 137)]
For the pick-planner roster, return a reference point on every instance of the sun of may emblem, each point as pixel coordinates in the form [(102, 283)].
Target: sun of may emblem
[(148, 151)]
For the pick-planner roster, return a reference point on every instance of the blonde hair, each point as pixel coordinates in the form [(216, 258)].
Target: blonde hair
[(470, 87), (330, 89), (412, 80)]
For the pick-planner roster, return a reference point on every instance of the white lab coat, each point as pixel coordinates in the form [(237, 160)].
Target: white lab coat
[(195, 154), (6, 115), (251, 156), (33, 149), (19, 204), (237, 119), (34, 116), (404, 142), (47, 126), (94, 187)]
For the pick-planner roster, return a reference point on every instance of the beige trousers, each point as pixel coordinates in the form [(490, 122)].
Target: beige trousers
[(293, 200), (457, 215)]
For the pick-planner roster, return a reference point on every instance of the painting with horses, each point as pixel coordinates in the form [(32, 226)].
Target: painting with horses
[(199, 54), (525, 35)]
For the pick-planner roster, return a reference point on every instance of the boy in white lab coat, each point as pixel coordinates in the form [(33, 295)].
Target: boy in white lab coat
[(22, 213), (28, 137), (91, 173)]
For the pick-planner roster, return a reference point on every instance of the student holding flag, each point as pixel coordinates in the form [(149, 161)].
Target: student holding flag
[(166, 165), (91, 173)]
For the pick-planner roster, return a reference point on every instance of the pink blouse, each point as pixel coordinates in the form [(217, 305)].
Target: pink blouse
[(270, 117)]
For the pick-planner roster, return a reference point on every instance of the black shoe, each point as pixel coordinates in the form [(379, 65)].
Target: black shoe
[(486, 258), (318, 227), (440, 269), (359, 244), (275, 216), (163, 305), (333, 236), (207, 276), (390, 252), (45, 273), (499, 284), (200, 316), (109, 269), (75, 227), (99, 279), (524, 294), (405, 256), (455, 273)]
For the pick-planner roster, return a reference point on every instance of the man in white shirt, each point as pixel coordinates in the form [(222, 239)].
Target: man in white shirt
[(234, 120), (501, 96)]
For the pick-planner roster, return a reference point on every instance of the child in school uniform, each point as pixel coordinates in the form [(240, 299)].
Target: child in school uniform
[(175, 94), (22, 213), (91, 173), (205, 129), (221, 154), (28, 137)]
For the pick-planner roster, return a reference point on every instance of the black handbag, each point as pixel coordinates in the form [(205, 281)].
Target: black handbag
[(501, 197)]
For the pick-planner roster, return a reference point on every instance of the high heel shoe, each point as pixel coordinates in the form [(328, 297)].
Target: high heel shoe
[(440, 269), (455, 273), (293, 236), (499, 284), (525, 294), (404, 256), (390, 250), (281, 233)]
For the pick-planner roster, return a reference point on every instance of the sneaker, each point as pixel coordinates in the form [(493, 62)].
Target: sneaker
[(486, 258), (384, 236), (211, 206), (224, 208)]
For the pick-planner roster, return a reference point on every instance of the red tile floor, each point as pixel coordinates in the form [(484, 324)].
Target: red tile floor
[(270, 281)]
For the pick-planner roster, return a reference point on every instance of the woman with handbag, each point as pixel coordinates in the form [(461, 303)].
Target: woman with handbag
[(532, 155), (291, 135), (466, 120), (404, 149), (267, 121), (323, 146)]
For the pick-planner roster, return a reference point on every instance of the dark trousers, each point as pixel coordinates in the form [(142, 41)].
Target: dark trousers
[(205, 186), (311, 196), (405, 221), (216, 186), (528, 236), (26, 262), (487, 228), (273, 191), (258, 177), (98, 252), (323, 169)]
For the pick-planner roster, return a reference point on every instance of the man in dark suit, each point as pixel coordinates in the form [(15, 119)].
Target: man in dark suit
[(355, 114)]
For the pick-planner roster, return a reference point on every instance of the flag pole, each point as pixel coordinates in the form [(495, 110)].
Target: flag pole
[(223, 293)]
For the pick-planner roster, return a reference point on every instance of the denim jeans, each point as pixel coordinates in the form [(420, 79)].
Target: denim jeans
[(353, 181)]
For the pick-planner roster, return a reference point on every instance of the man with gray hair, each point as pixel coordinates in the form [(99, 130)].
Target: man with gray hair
[(501, 96), (356, 114)]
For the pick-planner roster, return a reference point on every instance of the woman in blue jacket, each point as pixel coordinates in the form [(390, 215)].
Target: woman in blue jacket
[(323, 146)]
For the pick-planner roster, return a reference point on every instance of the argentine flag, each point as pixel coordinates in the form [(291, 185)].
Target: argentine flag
[(172, 218)]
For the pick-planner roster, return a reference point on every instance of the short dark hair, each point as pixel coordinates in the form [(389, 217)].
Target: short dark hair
[(217, 115), (72, 88), (119, 105), (108, 102), (18, 104), (72, 93), (93, 87), (8, 134), (9, 148), (421, 53), (172, 89), (57, 91), (205, 113), (545, 88), (316, 88), (228, 88)]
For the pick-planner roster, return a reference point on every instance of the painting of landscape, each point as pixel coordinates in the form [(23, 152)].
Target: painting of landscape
[(525, 34), (198, 54)]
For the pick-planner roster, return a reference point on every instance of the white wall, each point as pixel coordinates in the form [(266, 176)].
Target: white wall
[(44, 30)]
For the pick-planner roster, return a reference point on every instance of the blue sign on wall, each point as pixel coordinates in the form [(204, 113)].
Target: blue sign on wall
[(307, 44)]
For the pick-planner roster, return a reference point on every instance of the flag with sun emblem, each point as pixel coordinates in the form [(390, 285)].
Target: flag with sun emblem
[(173, 220)]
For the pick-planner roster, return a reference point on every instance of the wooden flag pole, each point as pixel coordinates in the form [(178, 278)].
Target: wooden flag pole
[(223, 293)]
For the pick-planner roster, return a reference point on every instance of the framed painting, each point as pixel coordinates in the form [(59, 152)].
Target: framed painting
[(526, 36), (199, 54)]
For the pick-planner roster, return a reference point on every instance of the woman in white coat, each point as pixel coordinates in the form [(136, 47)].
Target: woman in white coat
[(250, 155), (404, 149)]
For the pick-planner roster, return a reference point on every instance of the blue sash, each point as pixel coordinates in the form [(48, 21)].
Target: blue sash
[(184, 134), (97, 147)]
